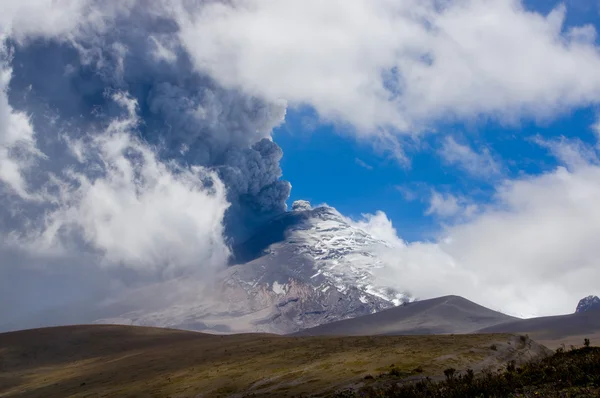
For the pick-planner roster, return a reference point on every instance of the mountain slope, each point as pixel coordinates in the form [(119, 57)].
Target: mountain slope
[(443, 315), (555, 330), (305, 268)]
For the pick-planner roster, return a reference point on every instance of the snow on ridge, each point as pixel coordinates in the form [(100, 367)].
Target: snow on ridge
[(344, 253)]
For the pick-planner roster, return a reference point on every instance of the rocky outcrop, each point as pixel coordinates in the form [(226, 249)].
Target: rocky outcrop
[(588, 303)]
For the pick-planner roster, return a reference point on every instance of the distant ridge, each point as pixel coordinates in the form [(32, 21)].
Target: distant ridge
[(442, 315), (588, 303), (554, 330)]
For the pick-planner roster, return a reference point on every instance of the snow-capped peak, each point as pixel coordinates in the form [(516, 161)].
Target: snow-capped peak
[(307, 267), (343, 253)]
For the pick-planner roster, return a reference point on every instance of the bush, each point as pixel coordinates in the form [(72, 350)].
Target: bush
[(586, 343), (395, 372), (449, 373), (574, 373), (511, 366)]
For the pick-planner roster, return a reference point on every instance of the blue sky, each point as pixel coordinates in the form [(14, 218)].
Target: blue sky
[(325, 166), (324, 163)]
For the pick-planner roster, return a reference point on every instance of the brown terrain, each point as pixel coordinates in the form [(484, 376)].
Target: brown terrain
[(122, 361), (442, 315), (457, 315), (554, 331)]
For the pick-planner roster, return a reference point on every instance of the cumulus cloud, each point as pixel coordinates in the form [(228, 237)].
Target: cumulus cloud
[(401, 64), (532, 251), (379, 226), (180, 209), (96, 196), (446, 205), (116, 188)]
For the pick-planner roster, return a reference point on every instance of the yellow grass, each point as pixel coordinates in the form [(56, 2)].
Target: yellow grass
[(118, 361)]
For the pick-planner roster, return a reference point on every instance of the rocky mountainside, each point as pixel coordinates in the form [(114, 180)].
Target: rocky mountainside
[(588, 303), (305, 268)]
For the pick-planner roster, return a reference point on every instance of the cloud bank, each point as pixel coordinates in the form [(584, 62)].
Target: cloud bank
[(135, 136), (400, 65), (120, 164), (533, 251)]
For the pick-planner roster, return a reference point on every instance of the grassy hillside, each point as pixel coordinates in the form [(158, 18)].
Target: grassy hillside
[(103, 360), (573, 373)]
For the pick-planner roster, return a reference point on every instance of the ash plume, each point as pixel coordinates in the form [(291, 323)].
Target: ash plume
[(121, 165), (66, 85)]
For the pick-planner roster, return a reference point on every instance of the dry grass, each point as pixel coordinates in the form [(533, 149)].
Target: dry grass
[(110, 361), (554, 342)]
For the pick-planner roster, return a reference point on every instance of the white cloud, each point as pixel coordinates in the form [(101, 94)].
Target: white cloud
[(572, 153), (596, 130), (449, 206), (18, 150), (532, 252), (40, 17), (463, 156), (405, 64), (367, 64), (379, 226), (363, 164), (443, 205), (129, 208), (372, 64), (22, 20)]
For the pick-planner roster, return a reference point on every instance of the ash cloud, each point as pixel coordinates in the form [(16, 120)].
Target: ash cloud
[(121, 166), (186, 116)]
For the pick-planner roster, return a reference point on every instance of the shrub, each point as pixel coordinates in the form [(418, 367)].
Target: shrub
[(511, 366), (469, 376), (395, 372), (449, 373), (524, 338), (562, 374)]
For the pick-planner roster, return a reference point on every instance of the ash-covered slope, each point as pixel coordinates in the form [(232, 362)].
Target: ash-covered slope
[(442, 315), (568, 329), (305, 268)]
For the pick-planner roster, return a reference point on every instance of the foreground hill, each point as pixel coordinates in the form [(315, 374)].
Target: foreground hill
[(116, 361), (553, 331), (442, 315)]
